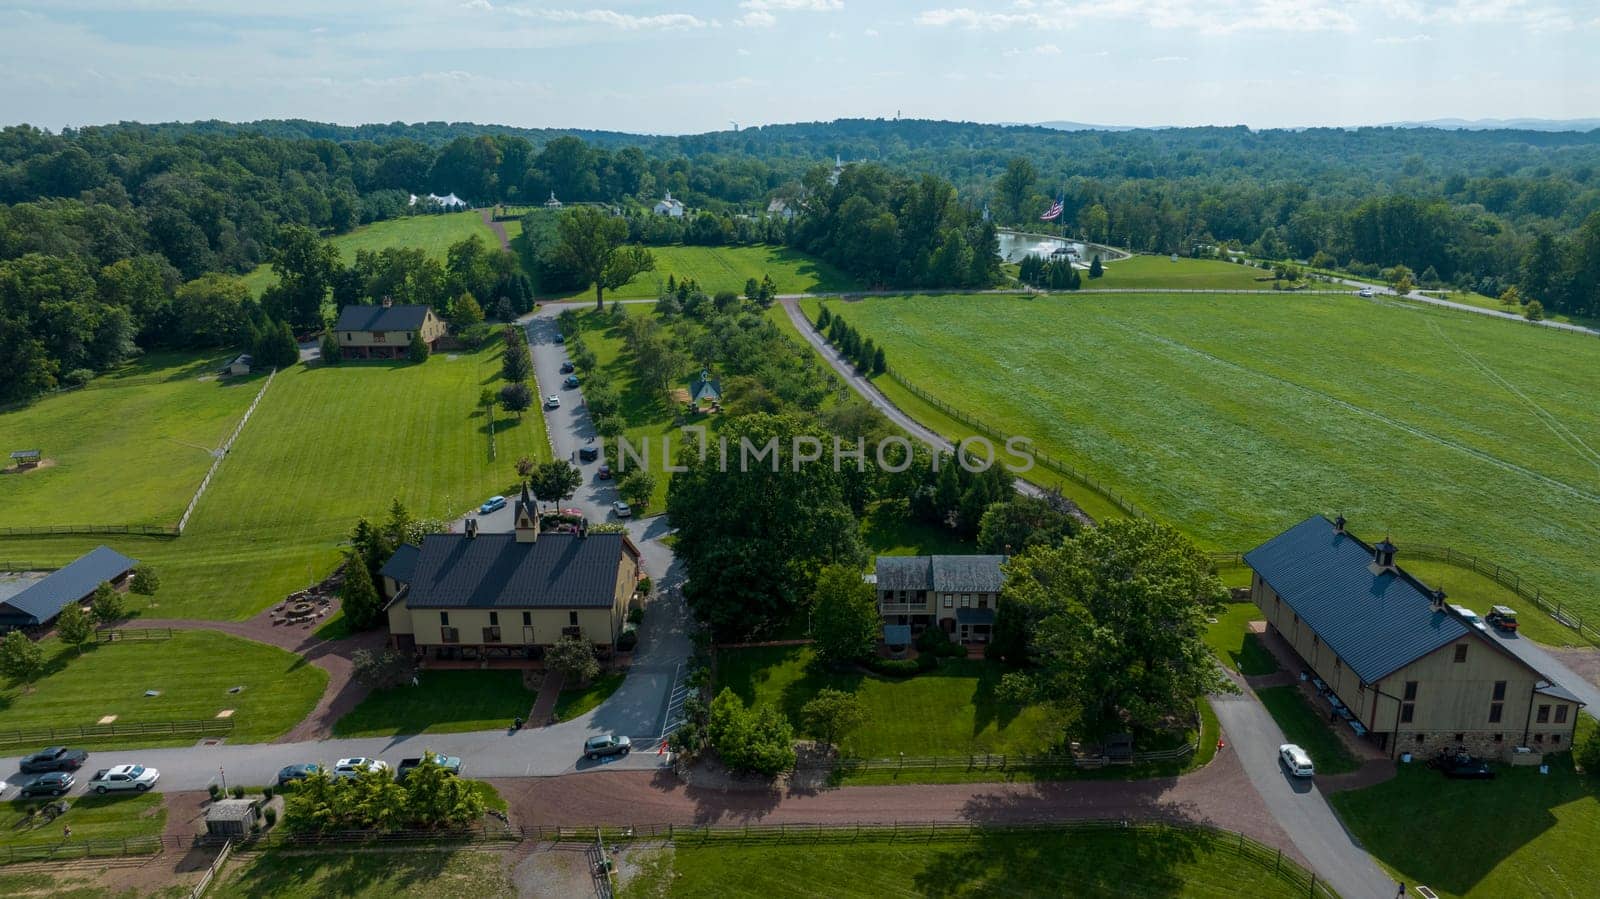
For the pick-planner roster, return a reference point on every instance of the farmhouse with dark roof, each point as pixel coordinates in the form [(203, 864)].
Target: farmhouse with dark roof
[(1397, 663), (480, 595), (959, 594), (385, 332)]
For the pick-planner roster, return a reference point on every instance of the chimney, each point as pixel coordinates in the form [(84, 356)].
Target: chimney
[(472, 528), (1338, 525), (387, 302), (1383, 557), (1438, 599)]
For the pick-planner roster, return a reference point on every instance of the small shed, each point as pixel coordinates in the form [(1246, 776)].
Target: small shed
[(231, 818), (704, 387), (239, 366), (27, 458)]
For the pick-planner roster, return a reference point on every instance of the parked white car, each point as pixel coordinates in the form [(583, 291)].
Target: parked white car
[(354, 766), (1366, 292), (552, 402), (1296, 760), (124, 777), (1470, 617)]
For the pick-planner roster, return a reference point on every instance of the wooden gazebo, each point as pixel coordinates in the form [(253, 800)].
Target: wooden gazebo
[(24, 459)]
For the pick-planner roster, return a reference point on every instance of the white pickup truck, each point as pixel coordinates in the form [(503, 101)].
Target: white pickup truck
[(124, 777)]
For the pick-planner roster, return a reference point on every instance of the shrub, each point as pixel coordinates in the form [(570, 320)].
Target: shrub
[(635, 615), (271, 814), (758, 740), (78, 377), (627, 641), (238, 792), (266, 794), (935, 641), (216, 792), (1588, 755), (903, 667), (644, 586)]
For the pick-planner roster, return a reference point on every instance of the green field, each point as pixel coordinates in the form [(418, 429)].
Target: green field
[(325, 447), (193, 672), (130, 448), (1137, 862), (575, 701), (949, 711), (1231, 641), (90, 817), (1303, 724), (417, 871), (1185, 274), (1526, 834), (444, 702), (728, 268), (1233, 417), (1466, 587), (434, 233)]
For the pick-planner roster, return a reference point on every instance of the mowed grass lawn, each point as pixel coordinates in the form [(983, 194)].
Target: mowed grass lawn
[(434, 233), (130, 448), (1232, 641), (1234, 416), (92, 818), (949, 711), (193, 672), (1139, 862), (1188, 274), (421, 872), (717, 269), (1521, 834), (325, 447), (1303, 724), (443, 702), (1468, 588)]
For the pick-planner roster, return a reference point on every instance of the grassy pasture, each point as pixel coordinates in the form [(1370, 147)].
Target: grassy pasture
[(1232, 642), (1141, 862), (443, 702), (1186, 274), (128, 449), (193, 672), (1235, 416), (92, 818), (325, 447), (434, 233), (418, 871), (727, 268)]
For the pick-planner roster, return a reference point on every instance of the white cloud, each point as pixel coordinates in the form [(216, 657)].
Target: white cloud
[(742, 52), (873, 32), (807, 5), (1413, 39), (757, 19), (1041, 50), (1204, 16), (613, 19), (1166, 59)]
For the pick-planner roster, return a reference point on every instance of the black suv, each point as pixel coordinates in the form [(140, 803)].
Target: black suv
[(56, 758)]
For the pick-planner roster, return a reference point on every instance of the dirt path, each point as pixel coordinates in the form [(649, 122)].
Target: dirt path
[(333, 656), (1219, 795), (498, 228)]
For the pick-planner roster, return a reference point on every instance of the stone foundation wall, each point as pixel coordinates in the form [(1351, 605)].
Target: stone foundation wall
[(1479, 743)]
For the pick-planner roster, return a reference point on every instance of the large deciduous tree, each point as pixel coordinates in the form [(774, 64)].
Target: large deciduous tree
[(591, 244), (305, 265), (844, 615), (1014, 188), (753, 534)]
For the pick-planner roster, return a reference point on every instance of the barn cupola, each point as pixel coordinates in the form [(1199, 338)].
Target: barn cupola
[(1438, 599), (527, 514), (1383, 557), (1338, 525)]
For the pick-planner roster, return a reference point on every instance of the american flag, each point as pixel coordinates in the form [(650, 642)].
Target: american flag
[(1053, 213)]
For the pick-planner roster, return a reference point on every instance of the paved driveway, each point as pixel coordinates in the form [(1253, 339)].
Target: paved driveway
[(1547, 664)]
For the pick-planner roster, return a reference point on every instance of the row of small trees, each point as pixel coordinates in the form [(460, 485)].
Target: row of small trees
[(867, 356), (429, 798)]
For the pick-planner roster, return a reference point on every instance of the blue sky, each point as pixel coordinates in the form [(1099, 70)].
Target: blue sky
[(695, 65)]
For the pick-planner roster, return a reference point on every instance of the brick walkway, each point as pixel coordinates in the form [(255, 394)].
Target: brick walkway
[(544, 707)]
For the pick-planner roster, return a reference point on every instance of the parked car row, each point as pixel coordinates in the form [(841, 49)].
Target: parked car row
[(354, 766), (57, 767)]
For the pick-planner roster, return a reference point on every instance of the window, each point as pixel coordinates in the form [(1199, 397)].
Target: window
[(1538, 738), (1543, 715), (1411, 690), (1494, 712), (1407, 712), (949, 601), (494, 618), (1460, 737), (444, 619), (491, 634), (1421, 738), (1499, 690), (527, 619), (966, 600), (1561, 714), (1338, 664), (348, 337), (1555, 738), (1499, 737), (572, 619), (449, 635), (983, 600), (1461, 652), (408, 336), (380, 337)]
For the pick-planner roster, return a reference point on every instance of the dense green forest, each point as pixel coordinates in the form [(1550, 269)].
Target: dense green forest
[(106, 233)]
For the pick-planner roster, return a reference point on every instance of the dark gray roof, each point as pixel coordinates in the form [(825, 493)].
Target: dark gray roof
[(381, 318), (44, 601), (1377, 623), (943, 574), (24, 454), (495, 571), (1558, 692), (403, 564), (975, 616), (703, 386)]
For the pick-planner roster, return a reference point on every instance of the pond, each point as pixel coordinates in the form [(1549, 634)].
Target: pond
[(1014, 245)]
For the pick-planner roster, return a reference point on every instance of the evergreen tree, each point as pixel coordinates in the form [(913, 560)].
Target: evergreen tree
[(879, 364), (1096, 269), (418, 351), (357, 597)]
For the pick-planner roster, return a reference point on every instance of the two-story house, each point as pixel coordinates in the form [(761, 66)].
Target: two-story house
[(1415, 675), (956, 593), (480, 595), (385, 331)]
